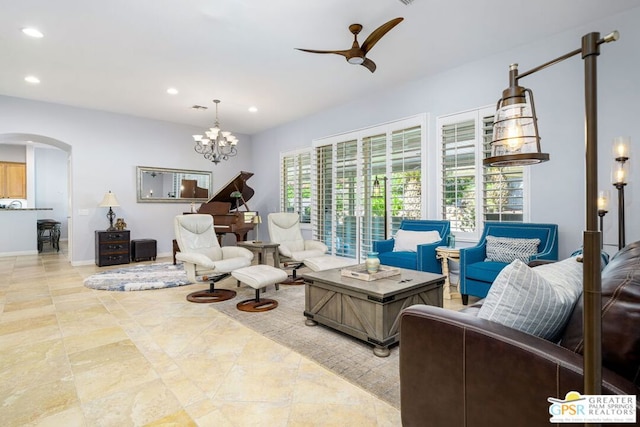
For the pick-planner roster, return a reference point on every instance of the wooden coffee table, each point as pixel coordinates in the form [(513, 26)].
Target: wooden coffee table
[(369, 311)]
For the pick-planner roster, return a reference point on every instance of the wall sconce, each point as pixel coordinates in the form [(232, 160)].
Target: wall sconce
[(619, 178)]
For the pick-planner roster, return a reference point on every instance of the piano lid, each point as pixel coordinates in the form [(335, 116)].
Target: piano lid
[(239, 183)]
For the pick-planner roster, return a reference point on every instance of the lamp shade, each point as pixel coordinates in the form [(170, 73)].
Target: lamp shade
[(109, 200), (257, 219), (621, 148), (620, 173), (516, 141), (603, 200)]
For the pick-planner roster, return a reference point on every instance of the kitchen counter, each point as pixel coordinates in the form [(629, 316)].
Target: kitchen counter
[(20, 231), (25, 209)]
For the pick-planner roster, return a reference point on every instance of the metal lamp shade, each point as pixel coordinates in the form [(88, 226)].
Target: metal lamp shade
[(516, 141)]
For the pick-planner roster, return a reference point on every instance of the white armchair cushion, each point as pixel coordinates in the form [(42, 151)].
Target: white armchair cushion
[(200, 250), (302, 255), (284, 228), (407, 240), (228, 265), (195, 258)]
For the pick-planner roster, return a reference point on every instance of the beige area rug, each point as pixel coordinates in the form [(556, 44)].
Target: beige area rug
[(348, 357)]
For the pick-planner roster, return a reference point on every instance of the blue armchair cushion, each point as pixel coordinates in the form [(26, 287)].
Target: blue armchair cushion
[(538, 300), (408, 241), (485, 271), (507, 249)]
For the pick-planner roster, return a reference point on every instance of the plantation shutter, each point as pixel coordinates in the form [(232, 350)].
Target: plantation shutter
[(288, 184), (295, 184), (322, 190), (345, 198), (503, 188), (374, 166), (406, 176), (459, 175)]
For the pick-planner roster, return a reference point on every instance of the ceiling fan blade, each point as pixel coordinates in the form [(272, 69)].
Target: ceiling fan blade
[(369, 64), (337, 52), (378, 33)]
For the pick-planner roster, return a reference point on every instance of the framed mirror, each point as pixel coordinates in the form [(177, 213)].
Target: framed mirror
[(164, 185)]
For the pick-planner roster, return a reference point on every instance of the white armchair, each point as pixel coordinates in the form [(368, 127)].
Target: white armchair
[(204, 259), (284, 228)]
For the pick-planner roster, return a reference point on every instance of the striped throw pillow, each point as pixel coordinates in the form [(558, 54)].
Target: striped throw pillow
[(538, 300)]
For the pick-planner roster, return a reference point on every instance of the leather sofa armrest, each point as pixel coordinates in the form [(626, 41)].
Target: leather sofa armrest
[(457, 369)]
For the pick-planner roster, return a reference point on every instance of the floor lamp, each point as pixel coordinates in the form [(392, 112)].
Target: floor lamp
[(603, 205), (620, 173), (516, 142)]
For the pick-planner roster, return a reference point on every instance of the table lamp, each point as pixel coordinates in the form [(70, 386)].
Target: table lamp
[(109, 201)]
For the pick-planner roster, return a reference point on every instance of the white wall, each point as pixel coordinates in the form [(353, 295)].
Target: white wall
[(557, 186), (105, 150), (51, 186), (12, 153)]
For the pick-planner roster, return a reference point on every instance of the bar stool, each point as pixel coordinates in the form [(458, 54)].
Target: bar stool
[(48, 231)]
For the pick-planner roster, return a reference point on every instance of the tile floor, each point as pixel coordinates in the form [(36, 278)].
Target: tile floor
[(72, 356)]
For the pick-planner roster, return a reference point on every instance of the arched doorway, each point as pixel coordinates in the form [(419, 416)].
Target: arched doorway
[(49, 175)]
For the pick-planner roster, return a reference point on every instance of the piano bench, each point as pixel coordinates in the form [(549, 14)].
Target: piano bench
[(143, 249)]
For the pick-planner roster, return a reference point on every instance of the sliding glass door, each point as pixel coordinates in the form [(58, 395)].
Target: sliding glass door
[(365, 183)]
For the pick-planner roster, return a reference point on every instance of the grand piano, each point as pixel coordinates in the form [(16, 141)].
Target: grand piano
[(225, 205)]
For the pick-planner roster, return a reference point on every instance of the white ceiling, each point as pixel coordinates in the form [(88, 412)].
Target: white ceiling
[(122, 55)]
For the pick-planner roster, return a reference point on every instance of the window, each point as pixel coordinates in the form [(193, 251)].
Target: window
[(365, 183), (471, 193), (295, 184)]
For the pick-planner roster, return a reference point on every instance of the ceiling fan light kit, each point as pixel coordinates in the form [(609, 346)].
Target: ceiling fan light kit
[(357, 55)]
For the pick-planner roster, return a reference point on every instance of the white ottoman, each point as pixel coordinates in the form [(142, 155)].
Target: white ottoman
[(327, 262), (258, 277)]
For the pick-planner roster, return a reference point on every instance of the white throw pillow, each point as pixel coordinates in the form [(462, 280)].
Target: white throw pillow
[(406, 240), (537, 300)]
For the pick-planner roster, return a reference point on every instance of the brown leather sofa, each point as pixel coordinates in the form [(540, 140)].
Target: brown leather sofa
[(460, 370)]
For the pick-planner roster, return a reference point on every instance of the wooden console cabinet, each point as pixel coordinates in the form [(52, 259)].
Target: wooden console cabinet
[(113, 247)]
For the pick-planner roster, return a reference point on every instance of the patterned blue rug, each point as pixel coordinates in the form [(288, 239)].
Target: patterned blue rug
[(139, 278)]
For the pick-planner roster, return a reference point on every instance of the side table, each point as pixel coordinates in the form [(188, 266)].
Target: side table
[(444, 254), (262, 249)]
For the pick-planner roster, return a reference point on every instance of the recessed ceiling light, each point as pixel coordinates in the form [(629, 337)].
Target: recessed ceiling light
[(33, 32), (172, 91), (253, 109), (32, 79)]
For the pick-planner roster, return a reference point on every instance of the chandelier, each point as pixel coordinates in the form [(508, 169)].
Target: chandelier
[(216, 145)]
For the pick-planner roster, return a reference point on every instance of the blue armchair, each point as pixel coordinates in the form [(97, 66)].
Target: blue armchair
[(424, 259), (477, 275)]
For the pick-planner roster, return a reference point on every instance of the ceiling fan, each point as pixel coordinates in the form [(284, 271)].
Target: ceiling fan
[(357, 55)]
